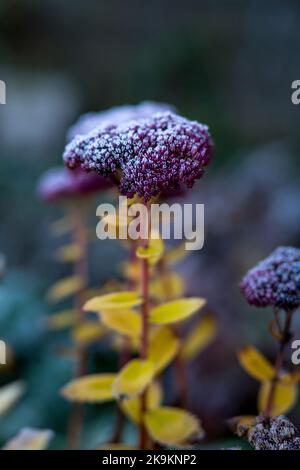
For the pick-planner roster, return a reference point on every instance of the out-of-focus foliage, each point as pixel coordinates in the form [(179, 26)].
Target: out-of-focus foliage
[(172, 425), (29, 439)]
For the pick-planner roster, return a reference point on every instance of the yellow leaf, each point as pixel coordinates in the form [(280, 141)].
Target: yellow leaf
[(95, 388), (125, 322), (64, 288), (60, 226), (114, 301), (153, 252), (61, 320), (284, 397), (68, 253), (167, 287), (199, 338), (132, 407), (10, 394), (176, 310), (133, 378), (255, 364), (30, 439), (171, 426), (87, 333), (163, 347)]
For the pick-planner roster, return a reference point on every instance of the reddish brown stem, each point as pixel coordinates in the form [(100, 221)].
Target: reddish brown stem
[(76, 420), (143, 438), (285, 338)]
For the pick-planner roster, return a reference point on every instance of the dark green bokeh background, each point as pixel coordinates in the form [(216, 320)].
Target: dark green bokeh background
[(229, 64)]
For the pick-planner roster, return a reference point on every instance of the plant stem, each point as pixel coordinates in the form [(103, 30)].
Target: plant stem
[(144, 336), (125, 355), (76, 419), (285, 338)]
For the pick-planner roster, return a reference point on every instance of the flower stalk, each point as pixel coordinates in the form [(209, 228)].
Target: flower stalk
[(145, 278), (285, 337)]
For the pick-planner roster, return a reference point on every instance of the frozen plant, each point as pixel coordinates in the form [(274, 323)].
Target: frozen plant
[(115, 116), (145, 157), (273, 282)]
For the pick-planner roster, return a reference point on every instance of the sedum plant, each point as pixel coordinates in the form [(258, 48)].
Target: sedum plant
[(145, 157), (275, 283)]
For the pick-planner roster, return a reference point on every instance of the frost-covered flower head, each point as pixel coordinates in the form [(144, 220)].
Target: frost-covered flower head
[(148, 155), (278, 433), (275, 281), (115, 116), (60, 183)]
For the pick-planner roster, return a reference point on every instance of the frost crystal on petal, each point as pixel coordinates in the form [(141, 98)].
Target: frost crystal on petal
[(149, 155), (275, 281), (115, 116)]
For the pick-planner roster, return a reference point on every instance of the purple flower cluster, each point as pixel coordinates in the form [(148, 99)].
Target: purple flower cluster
[(59, 183), (149, 155), (278, 433), (275, 281), (115, 116)]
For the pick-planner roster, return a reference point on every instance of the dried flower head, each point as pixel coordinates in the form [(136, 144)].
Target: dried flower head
[(115, 116), (148, 155), (275, 434), (275, 281), (59, 183)]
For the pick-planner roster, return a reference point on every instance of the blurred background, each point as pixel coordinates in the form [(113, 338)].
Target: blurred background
[(229, 64)]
